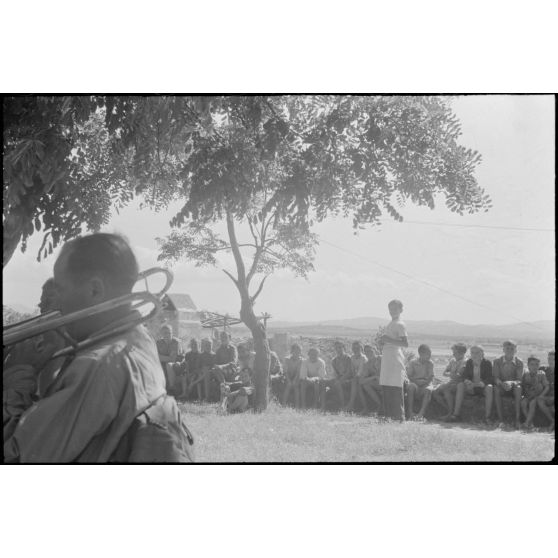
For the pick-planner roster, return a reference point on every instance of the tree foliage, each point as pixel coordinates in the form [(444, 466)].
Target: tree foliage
[(11, 316), (270, 164), (61, 171)]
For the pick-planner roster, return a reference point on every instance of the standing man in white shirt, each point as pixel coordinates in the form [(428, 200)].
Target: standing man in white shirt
[(392, 371)]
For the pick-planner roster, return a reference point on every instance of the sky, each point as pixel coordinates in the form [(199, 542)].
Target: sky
[(470, 269)]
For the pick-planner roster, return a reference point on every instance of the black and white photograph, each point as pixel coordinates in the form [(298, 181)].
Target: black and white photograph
[(284, 278), (279, 278)]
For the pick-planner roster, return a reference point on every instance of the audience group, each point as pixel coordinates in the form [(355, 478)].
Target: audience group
[(383, 383)]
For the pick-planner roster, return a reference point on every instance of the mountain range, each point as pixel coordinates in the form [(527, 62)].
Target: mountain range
[(542, 329)]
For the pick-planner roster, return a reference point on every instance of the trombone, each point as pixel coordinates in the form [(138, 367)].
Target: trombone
[(32, 327)]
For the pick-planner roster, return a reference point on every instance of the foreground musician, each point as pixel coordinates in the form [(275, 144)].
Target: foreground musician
[(87, 412)]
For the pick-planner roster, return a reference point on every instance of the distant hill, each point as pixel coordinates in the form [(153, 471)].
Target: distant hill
[(543, 329)]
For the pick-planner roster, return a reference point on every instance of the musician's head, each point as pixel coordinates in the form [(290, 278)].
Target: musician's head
[(93, 269), (48, 297)]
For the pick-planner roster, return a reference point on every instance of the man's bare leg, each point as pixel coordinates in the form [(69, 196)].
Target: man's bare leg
[(351, 406), (498, 401), (488, 396), (517, 398), (411, 390), (339, 389), (425, 401), (303, 394), (545, 409), (532, 407), (286, 394), (459, 396)]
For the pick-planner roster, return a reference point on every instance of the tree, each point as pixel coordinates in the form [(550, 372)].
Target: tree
[(61, 171), (11, 316), (272, 246), (276, 164), (270, 164)]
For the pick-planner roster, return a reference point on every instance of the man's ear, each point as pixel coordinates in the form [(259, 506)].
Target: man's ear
[(97, 289)]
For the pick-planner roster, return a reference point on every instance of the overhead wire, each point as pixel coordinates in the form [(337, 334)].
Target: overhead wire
[(472, 226), (432, 285)]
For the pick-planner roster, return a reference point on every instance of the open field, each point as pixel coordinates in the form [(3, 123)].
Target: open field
[(285, 435)]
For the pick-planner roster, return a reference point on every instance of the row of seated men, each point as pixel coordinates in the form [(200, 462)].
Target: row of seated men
[(225, 375), (355, 378)]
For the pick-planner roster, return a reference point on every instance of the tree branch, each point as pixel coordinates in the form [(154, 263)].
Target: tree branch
[(229, 248), (253, 231), (259, 290), (255, 262), (236, 251), (231, 276)]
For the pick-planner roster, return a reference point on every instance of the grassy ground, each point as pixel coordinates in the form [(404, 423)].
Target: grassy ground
[(285, 435)]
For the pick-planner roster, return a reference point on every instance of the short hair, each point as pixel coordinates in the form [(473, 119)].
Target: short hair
[(395, 302), (424, 349), (357, 344), (49, 284), (369, 347), (166, 326), (533, 358), (295, 347), (552, 353), (206, 341), (225, 333), (461, 348), (477, 348), (509, 343), (313, 350), (243, 347), (108, 255), (338, 344), (47, 302)]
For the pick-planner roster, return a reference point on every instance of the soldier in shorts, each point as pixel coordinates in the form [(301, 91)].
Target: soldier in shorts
[(535, 385), (420, 373), (508, 373), (478, 381), (444, 393)]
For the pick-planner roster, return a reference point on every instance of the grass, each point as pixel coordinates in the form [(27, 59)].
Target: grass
[(285, 435)]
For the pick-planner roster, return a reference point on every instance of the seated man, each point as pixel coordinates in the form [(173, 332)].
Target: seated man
[(293, 364), (341, 373), (546, 402), (235, 396), (476, 380), (246, 358), (190, 371), (534, 385), (312, 370), (508, 373), (358, 364), (443, 394), (420, 374), (224, 369), (168, 349), (370, 382), (275, 369), (206, 362)]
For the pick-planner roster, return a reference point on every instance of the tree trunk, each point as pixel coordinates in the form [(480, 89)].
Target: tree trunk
[(262, 360), (261, 346)]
